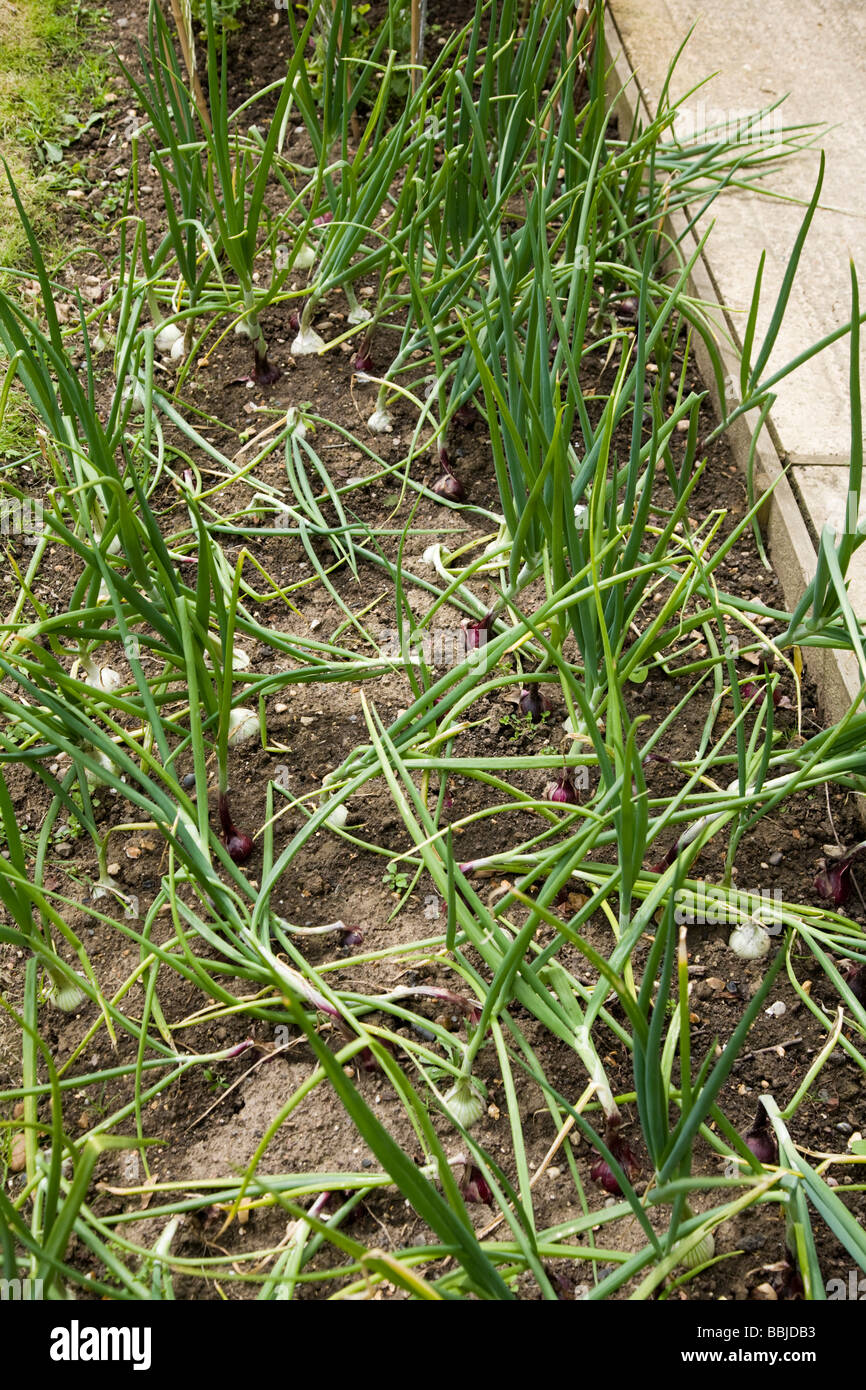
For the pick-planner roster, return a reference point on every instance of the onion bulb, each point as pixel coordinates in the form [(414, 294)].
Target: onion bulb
[(305, 256), (761, 1139), (363, 359), (833, 880), (450, 487), (104, 886), (239, 845), (243, 725), (65, 992), (92, 778), (856, 979), (750, 941), (295, 423), (700, 1253), (307, 343), (134, 389), (464, 1102), (601, 1171), (101, 677), (168, 336), (474, 1187), (477, 630), (563, 790), (532, 703), (380, 422), (240, 660)]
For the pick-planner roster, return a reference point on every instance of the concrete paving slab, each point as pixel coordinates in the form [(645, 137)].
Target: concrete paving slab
[(818, 54), (815, 53), (823, 492)]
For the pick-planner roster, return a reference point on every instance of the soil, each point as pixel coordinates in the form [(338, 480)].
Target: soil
[(211, 1121)]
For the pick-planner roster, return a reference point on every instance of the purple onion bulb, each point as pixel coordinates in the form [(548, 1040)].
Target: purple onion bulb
[(450, 487), (563, 790), (601, 1171), (239, 845), (761, 1140), (532, 703)]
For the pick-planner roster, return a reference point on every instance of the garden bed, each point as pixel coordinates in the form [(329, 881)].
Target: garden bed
[(226, 1143)]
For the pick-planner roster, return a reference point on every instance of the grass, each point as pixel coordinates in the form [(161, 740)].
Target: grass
[(52, 74), (48, 69)]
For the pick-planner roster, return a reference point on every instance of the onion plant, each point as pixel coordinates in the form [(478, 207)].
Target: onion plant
[(176, 153)]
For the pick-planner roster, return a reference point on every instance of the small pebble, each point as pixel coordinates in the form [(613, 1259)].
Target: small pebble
[(188, 781), (776, 857)]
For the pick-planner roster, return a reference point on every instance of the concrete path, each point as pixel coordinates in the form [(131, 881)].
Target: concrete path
[(815, 53)]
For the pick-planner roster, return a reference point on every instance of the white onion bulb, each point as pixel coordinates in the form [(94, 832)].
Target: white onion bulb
[(92, 778), (700, 1253), (168, 336), (307, 343), (64, 992), (134, 389), (338, 817), (749, 940), (243, 726), (380, 422), (102, 677), (464, 1103), (305, 256)]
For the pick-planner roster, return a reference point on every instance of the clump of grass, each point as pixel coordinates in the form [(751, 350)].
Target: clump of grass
[(51, 75)]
